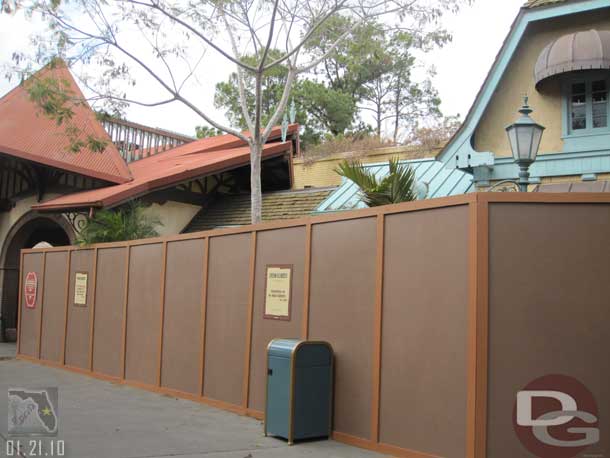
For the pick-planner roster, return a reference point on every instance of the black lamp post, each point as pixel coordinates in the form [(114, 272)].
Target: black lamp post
[(524, 136)]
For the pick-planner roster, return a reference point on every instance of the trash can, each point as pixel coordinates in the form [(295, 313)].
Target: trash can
[(299, 389)]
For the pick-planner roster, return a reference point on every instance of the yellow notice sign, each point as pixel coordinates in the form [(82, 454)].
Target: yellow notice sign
[(80, 288), (277, 292)]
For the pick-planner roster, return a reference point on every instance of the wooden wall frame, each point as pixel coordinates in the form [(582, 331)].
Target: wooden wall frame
[(477, 306)]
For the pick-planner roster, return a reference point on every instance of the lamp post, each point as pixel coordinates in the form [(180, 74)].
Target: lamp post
[(524, 136)]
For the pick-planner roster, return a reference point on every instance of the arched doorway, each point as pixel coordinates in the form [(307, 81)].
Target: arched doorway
[(26, 233)]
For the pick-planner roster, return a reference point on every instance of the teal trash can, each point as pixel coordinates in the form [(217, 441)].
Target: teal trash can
[(299, 389)]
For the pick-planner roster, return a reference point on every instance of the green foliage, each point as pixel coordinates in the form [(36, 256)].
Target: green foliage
[(358, 59), (207, 131), (126, 223), (369, 71), (319, 108), (53, 96), (227, 92), (327, 110), (397, 186)]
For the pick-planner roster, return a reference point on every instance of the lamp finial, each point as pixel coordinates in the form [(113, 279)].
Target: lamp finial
[(525, 109)]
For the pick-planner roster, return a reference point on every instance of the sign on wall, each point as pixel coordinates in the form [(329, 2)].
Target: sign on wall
[(80, 288), (278, 283), (30, 289)]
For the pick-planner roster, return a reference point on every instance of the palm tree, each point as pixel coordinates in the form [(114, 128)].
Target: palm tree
[(126, 223), (398, 185)]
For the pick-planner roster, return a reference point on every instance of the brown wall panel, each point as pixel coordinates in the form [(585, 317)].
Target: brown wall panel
[(549, 308), (424, 331), (53, 314), (182, 322), (30, 318), (107, 329), (144, 313), (282, 246), (342, 300), (226, 316), (77, 337)]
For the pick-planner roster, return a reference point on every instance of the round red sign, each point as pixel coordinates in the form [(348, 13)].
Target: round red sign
[(30, 289)]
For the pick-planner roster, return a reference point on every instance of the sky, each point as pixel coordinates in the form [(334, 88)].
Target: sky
[(461, 66)]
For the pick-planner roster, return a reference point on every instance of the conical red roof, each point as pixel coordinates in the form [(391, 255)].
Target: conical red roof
[(28, 134)]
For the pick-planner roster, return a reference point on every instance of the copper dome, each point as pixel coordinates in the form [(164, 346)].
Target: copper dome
[(589, 50)]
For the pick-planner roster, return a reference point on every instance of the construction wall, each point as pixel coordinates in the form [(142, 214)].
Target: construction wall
[(401, 293), (549, 309)]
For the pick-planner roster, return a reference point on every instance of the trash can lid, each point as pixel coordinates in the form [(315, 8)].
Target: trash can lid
[(282, 348), (286, 348)]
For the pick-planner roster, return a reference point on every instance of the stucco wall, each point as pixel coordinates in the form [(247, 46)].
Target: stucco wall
[(173, 215), (8, 219), (321, 173), (519, 80)]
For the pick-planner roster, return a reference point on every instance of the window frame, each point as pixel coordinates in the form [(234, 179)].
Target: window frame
[(587, 79)]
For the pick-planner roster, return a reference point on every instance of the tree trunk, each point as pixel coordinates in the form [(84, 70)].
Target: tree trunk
[(256, 151), (378, 121), (397, 94), (256, 194)]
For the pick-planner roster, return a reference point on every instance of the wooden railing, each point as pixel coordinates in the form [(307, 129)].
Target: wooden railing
[(136, 141)]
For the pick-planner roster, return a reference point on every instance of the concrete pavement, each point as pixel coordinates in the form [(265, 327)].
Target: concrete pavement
[(7, 350), (107, 420)]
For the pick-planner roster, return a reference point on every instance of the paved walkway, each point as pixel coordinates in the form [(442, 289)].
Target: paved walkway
[(7, 350), (106, 420)]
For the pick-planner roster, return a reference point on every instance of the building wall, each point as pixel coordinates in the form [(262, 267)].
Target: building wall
[(8, 219), (519, 80), (321, 172), (174, 216)]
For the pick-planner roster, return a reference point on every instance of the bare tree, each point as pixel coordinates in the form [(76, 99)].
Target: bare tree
[(121, 41)]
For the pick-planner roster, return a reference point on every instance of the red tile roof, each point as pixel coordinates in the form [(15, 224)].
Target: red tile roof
[(28, 134), (169, 168)]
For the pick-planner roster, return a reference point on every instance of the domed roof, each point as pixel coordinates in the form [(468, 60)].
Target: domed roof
[(589, 50)]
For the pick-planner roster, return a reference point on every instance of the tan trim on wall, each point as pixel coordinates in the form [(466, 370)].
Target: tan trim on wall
[(44, 264), (306, 282), (245, 391), (204, 301), (162, 312), (377, 323), (478, 324), (66, 305), (379, 447), (19, 303), (125, 301), (92, 312)]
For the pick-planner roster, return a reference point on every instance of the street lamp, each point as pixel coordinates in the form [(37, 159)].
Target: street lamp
[(524, 137)]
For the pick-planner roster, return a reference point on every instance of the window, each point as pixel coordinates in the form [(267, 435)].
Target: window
[(588, 106), (600, 104), (579, 106)]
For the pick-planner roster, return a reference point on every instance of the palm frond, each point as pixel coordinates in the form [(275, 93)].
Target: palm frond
[(126, 223), (356, 172), (397, 186)]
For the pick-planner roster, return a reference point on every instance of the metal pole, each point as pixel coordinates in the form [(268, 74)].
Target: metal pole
[(524, 176)]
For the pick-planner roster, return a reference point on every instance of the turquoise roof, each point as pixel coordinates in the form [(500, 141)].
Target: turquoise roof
[(441, 182)]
